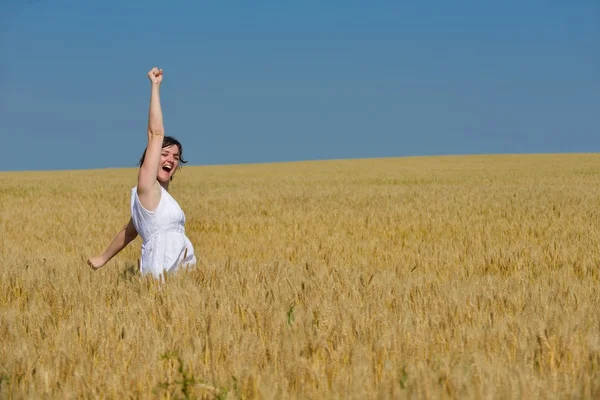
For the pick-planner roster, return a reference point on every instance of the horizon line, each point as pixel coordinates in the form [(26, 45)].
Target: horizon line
[(253, 163), (317, 160)]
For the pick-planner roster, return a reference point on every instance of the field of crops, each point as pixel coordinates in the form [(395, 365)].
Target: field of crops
[(441, 277)]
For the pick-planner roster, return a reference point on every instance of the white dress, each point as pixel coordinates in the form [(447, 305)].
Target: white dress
[(165, 246)]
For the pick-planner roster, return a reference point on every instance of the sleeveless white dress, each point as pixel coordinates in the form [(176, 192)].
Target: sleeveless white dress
[(165, 246)]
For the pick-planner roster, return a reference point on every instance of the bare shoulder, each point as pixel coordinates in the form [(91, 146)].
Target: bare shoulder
[(150, 196)]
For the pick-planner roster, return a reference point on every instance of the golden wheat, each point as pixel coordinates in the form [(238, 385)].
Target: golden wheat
[(441, 277)]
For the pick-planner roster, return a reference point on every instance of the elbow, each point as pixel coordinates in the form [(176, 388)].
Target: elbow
[(156, 132), (129, 232), (130, 237)]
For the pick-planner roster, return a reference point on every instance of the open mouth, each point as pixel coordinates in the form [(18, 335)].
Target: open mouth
[(167, 167)]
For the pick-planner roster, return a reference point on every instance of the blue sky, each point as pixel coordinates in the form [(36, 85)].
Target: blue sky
[(274, 81)]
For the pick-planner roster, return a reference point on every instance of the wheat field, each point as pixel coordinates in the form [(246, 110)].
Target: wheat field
[(471, 277)]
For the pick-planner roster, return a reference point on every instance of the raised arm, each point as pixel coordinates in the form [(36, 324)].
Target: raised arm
[(148, 188), (120, 241)]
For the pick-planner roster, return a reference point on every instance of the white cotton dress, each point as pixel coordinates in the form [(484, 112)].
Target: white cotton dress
[(165, 246)]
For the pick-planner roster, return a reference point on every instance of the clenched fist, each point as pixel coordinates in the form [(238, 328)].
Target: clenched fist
[(155, 75), (96, 262)]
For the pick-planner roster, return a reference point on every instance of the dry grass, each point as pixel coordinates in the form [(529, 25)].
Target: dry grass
[(446, 277)]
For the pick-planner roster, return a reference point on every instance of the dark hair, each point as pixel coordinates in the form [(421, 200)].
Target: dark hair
[(168, 141)]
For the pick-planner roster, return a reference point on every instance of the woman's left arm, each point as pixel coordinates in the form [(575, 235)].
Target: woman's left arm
[(120, 241)]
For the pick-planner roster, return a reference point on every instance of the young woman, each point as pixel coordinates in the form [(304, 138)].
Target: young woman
[(155, 215)]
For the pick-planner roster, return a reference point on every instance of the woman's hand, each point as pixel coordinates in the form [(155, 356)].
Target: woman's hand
[(155, 75), (96, 262)]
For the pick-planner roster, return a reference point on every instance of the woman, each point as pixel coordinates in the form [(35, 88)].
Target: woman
[(155, 214)]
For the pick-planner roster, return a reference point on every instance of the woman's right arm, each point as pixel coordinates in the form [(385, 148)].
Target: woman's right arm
[(148, 188)]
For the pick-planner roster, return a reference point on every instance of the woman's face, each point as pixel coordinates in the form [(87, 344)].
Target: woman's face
[(169, 161)]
